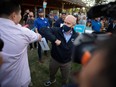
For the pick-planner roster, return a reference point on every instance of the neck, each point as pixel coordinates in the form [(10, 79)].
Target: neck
[(5, 16), (41, 16)]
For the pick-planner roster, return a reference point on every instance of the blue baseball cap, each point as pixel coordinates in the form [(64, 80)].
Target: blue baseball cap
[(40, 10)]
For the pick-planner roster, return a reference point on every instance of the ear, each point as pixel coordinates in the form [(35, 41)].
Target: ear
[(73, 26), (12, 16)]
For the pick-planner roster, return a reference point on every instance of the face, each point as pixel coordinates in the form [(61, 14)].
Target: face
[(51, 16), (69, 22), (27, 11), (63, 16), (84, 18), (88, 23), (90, 73), (16, 17), (97, 19), (41, 14), (31, 14)]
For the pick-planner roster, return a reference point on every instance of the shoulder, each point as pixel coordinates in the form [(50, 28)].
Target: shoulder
[(60, 19), (21, 28), (46, 19), (56, 29), (36, 19), (75, 33)]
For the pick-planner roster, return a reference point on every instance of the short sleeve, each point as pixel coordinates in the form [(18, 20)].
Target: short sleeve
[(30, 36), (35, 24)]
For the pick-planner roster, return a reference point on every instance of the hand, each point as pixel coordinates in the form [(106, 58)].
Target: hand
[(58, 42), (26, 26)]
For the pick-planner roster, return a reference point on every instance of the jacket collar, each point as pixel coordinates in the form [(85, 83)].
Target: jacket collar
[(74, 34)]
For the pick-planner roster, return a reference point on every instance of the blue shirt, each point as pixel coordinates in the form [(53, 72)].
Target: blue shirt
[(67, 36), (39, 23), (96, 26)]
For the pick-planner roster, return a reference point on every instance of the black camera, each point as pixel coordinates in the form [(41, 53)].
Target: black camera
[(85, 45)]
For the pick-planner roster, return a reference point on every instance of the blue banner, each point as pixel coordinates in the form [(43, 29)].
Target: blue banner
[(79, 28)]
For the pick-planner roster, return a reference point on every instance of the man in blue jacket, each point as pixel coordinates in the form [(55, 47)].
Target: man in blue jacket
[(96, 25), (39, 23), (62, 44)]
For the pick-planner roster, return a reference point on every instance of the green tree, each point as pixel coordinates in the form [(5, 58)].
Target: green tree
[(98, 2)]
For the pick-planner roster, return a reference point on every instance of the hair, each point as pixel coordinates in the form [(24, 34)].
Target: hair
[(63, 13), (7, 7), (73, 19)]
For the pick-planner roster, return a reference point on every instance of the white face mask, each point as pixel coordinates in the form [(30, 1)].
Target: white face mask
[(42, 18)]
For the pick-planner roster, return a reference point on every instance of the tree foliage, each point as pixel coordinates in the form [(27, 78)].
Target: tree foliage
[(98, 2)]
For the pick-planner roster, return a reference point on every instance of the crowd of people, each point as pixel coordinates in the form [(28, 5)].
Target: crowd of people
[(98, 24), (15, 71)]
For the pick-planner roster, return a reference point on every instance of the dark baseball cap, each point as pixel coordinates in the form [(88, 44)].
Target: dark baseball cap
[(40, 10)]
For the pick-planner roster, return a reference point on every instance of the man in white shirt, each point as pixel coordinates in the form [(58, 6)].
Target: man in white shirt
[(14, 71)]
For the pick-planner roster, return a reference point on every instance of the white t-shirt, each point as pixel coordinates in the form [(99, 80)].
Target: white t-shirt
[(15, 70)]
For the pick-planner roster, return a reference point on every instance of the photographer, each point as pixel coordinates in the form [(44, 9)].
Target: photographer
[(25, 16), (100, 66)]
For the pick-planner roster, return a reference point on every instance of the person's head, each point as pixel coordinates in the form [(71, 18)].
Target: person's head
[(114, 21), (77, 18), (63, 15), (27, 11), (103, 19), (31, 14), (97, 19), (41, 12), (101, 69), (88, 23), (10, 9), (51, 16), (69, 23), (84, 17)]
